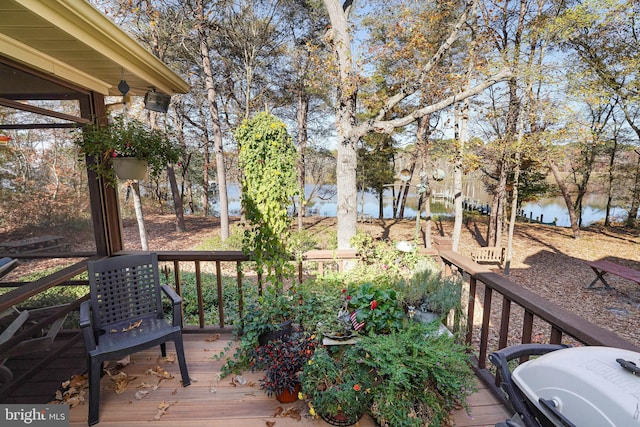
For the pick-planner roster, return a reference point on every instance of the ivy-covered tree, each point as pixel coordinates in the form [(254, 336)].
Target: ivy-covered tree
[(267, 157)]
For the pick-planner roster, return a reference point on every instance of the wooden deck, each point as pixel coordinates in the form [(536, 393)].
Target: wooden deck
[(209, 400)]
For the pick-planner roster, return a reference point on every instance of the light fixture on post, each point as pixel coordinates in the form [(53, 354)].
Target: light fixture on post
[(156, 101)]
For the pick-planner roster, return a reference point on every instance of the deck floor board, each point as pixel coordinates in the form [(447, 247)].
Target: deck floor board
[(208, 401)]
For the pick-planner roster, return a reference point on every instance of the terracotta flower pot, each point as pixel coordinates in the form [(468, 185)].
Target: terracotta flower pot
[(288, 396)]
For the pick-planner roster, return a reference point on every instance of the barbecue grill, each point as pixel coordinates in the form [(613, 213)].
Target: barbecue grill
[(570, 386)]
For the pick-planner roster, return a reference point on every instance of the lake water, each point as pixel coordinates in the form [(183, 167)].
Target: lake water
[(549, 209)]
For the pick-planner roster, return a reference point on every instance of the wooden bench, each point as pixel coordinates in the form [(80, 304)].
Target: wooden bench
[(603, 267), (33, 244), (488, 254)]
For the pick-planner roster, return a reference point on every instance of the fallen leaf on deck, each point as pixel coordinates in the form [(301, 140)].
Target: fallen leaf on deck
[(278, 411), (292, 413), (121, 381), (159, 372), (270, 423), (132, 326), (212, 338), (171, 358), (162, 409), (73, 391)]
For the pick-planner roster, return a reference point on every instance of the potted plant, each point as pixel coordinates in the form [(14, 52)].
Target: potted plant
[(126, 138), (374, 309), (338, 385), (267, 317), (282, 360), (421, 375)]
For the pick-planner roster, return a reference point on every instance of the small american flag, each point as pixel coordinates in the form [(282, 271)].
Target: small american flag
[(354, 321)]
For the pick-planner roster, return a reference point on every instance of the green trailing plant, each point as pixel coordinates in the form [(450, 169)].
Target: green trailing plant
[(126, 137), (421, 375), (262, 314), (337, 383), (268, 161)]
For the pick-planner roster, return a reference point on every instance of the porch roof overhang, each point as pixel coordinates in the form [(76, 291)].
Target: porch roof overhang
[(74, 42)]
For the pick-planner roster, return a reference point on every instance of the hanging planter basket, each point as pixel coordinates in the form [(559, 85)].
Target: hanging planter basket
[(129, 167)]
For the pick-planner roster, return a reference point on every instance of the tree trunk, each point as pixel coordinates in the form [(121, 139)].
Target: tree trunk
[(635, 197), (207, 162), (303, 114), (567, 198), (137, 205), (405, 193), (345, 122), (457, 176), (612, 157), (215, 121), (177, 200)]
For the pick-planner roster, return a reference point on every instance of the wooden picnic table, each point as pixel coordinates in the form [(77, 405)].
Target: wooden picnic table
[(603, 267), (32, 244)]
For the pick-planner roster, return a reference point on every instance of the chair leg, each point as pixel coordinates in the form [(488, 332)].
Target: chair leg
[(181, 361), (95, 368), (163, 349)]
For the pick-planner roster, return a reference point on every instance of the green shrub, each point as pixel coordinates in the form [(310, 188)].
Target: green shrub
[(421, 375)]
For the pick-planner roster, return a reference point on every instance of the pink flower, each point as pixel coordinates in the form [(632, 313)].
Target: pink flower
[(356, 387), (374, 304)]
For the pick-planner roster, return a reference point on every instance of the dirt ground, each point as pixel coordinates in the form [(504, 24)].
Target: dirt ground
[(546, 260)]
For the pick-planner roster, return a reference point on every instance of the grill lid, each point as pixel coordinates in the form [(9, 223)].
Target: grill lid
[(586, 385)]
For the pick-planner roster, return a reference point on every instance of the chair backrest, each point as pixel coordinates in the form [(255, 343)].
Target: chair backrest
[(124, 288)]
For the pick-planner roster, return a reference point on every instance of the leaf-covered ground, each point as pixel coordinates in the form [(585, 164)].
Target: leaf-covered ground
[(546, 260)]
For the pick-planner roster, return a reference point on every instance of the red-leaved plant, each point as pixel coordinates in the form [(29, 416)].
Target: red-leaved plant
[(282, 361)]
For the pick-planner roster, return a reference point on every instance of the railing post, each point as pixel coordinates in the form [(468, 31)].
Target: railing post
[(220, 296), (199, 293), (556, 335), (471, 309), (299, 272), (484, 333), (504, 322), (176, 280), (240, 291)]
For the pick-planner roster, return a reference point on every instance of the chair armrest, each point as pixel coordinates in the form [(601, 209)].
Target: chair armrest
[(85, 326), (177, 304)]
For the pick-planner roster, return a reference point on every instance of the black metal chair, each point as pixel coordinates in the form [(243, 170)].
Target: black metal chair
[(124, 316)]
